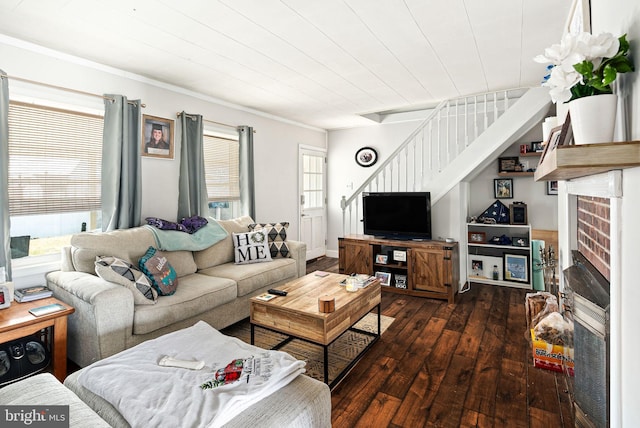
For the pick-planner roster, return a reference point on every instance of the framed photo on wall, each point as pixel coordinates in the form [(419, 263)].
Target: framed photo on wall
[(157, 137), (503, 188), (552, 187)]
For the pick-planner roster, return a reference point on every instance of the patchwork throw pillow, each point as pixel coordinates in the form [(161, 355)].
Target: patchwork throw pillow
[(162, 275), (277, 234), (251, 247), (122, 272)]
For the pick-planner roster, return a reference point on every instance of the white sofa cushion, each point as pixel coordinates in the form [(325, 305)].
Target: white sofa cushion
[(196, 294), (251, 277)]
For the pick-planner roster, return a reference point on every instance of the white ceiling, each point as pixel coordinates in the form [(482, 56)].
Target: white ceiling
[(318, 62)]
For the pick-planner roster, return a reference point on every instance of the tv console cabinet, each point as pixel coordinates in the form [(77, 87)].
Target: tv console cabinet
[(418, 268)]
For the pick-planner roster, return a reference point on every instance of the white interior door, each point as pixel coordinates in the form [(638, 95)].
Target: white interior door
[(312, 202)]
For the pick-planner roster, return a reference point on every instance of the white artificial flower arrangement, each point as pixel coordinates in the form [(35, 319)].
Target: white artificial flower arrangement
[(583, 65)]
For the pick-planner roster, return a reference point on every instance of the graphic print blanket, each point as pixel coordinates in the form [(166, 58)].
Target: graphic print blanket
[(235, 376)]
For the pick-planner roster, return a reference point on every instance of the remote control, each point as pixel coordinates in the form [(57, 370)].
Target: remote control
[(47, 309), (277, 292), (168, 361)]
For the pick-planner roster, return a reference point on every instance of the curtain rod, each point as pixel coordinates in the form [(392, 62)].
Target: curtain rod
[(210, 121), (3, 76)]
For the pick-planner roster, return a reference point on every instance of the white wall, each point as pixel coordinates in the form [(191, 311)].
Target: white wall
[(541, 208), (276, 141), (344, 176), (619, 17)]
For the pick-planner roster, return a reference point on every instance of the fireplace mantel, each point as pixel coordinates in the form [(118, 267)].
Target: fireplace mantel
[(568, 162)]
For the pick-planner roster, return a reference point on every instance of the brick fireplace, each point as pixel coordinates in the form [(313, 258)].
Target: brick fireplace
[(591, 209)]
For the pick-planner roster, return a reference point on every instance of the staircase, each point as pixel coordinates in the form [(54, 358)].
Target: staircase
[(457, 139)]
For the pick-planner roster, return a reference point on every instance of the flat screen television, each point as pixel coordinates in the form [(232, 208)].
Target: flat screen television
[(397, 215)]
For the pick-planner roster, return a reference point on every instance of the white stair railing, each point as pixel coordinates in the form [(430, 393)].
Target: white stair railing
[(447, 131)]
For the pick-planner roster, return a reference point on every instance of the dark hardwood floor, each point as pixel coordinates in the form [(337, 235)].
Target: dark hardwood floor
[(462, 365)]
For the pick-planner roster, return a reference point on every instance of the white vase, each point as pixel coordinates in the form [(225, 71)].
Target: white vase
[(593, 118)]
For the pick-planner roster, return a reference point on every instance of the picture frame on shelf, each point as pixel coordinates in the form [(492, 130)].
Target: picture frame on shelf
[(384, 277), (516, 268), (554, 136), (508, 164), (157, 133), (552, 187), (503, 188), (518, 213), (477, 267), (518, 241), (401, 281), (477, 237), (381, 259), (537, 146)]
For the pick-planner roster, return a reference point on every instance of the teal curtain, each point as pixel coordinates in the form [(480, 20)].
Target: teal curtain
[(5, 226), (192, 185), (121, 189), (247, 186)]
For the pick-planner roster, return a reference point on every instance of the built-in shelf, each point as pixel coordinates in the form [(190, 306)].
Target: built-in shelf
[(567, 162), (530, 154)]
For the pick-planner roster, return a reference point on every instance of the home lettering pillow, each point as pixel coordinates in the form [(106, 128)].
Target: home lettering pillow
[(251, 247), (277, 234), (122, 272), (157, 268)]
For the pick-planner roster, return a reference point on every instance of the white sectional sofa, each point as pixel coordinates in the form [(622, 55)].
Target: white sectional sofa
[(210, 288)]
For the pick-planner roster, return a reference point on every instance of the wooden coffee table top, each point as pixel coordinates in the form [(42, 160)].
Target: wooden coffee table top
[(297, 313)]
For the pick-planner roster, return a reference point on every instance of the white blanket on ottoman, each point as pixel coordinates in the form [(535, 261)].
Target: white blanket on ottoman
[(149, 395)]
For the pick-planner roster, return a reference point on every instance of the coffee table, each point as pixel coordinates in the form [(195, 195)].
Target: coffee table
[(297, 315)]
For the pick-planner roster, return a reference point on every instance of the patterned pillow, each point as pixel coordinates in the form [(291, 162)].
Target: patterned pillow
[(251, 247), (277, 233), (163, 277), (122, 272)]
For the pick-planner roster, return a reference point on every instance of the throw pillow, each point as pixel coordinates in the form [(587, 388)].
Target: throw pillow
[(163, 277), (251, 247), (277, 234), (122, 272)]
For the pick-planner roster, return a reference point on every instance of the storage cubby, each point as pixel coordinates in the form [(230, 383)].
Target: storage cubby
[(486, 255)]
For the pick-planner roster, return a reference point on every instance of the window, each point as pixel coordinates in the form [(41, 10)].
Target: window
[(222, 172), (54, 177)]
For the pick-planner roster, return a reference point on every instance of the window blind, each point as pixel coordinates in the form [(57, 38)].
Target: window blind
[(222, 168), (54, 160)]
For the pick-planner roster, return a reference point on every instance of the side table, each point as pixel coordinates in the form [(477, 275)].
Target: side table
[(16, 321)]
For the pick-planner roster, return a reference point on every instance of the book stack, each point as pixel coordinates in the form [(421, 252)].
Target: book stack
[(32, 293)]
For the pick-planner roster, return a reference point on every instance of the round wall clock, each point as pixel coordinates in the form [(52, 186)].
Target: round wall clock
[(366, 156)]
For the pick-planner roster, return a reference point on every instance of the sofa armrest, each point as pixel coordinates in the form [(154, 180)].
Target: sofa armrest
[(103, 317), (298, 251)]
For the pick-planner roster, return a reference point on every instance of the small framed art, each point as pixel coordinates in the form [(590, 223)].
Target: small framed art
[(519, 241), (508, 164), (381, 259), (518, 213), (384, 277), (503, 188), (537, 146), (516, 268), (157, 137), (552, 187), (477, 237), (366, 156)]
